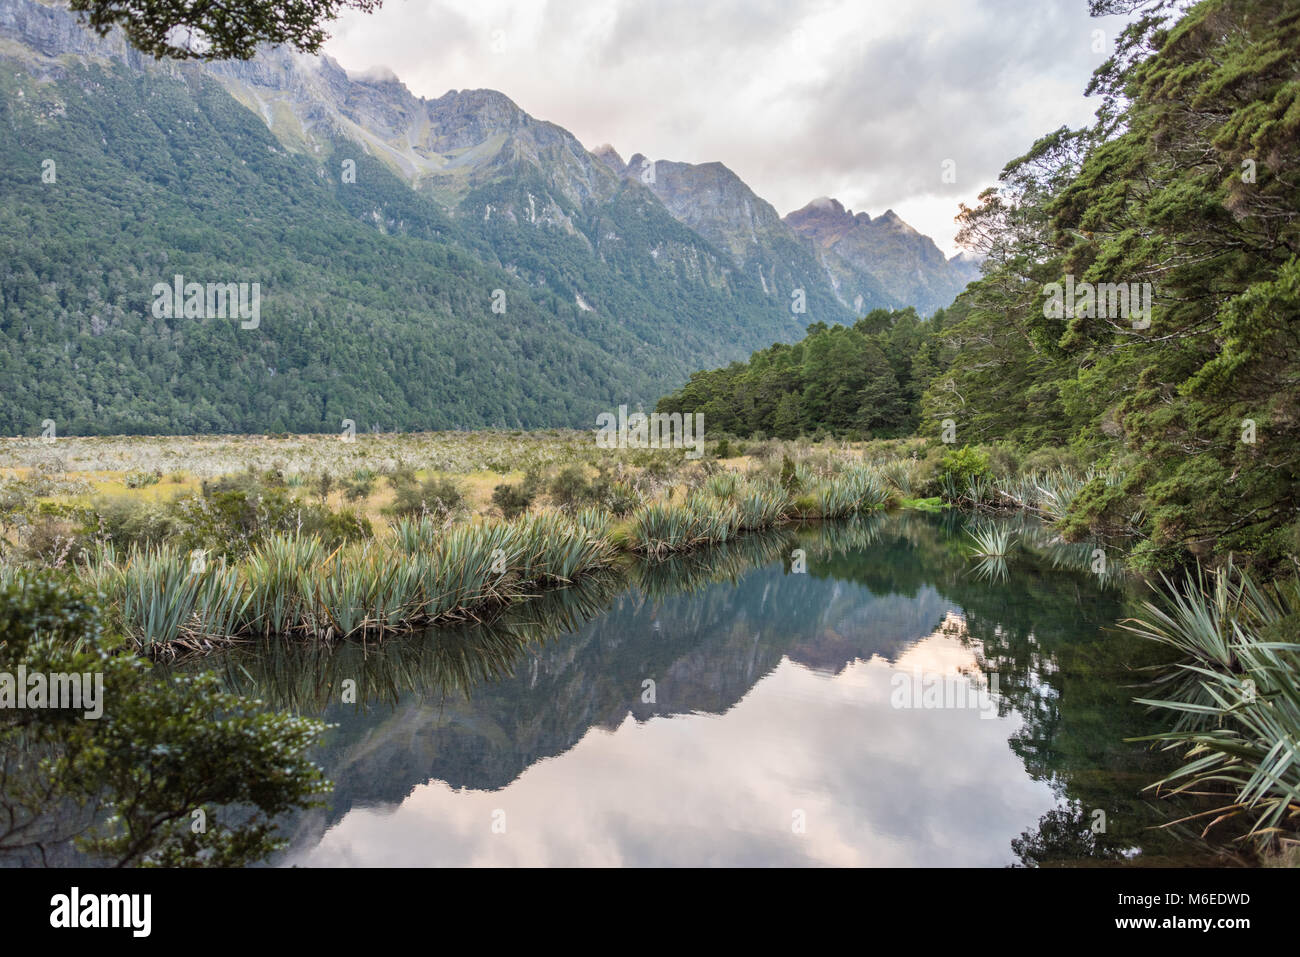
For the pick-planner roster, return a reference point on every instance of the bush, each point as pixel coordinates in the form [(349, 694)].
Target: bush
[(571, 487), (1050, 459), (324, 486), (159, 740), (51, 540), (435, 495), (620, 498), (335, 528), (141, 479), (512, 499), (126, 521), (963, 464), (1004, 460), (359, 487), (235, 513), (789, 475)]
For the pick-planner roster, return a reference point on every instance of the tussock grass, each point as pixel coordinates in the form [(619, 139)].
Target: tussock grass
[(1233, 695), (289, 585)]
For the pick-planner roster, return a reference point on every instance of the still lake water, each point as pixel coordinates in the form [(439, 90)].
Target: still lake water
[(772, 733)]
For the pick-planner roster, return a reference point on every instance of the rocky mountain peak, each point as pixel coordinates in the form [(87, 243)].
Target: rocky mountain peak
[(864, 254), (824, 220), (609, 156)]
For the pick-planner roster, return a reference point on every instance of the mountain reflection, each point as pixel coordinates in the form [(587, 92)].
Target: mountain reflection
[(705, 708)]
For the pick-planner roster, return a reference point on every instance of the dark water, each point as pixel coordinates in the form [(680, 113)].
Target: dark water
[(776, 730)]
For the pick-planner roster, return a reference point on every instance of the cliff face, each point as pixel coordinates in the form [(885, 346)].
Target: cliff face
[(717, 204), (864, 254)]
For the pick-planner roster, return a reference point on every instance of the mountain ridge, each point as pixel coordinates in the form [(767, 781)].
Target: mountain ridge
[(162, 170), (863, 253)]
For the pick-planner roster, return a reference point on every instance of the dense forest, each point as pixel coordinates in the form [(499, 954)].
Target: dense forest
[(1186, 188), (862, 381), (377, 303)]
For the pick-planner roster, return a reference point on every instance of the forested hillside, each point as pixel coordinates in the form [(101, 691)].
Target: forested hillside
[(859, 381), (375, 305), (1189, 181), (509, 279)]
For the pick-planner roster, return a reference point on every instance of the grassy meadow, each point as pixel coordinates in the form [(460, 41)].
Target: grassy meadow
[(194, 541)]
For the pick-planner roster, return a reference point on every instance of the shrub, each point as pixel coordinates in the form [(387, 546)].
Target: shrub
[(141, 479), (961, 465), (159, 739), (1003, 460), (1050, 459), (790, 480), (620, 498), (512, 499), (435, 495), (324, 485), (571, 487), (51, 540), (334, 528), (128, 522), (359, 487), (235, 513)]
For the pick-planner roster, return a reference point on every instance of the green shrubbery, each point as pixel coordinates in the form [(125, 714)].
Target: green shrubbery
[(435, 495), (157, 751), (963, 464)]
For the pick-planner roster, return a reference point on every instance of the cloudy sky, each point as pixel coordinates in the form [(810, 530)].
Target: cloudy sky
[(862, 100)]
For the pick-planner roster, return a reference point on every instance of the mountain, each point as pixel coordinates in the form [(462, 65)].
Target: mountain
[(967, 267), (421, 263), (865, 255), (715, 203)]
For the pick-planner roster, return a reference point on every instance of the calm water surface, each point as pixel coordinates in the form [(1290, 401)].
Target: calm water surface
[(731, 709)]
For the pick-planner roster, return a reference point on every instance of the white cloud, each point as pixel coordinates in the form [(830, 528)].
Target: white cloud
[(876, 785), (859, 100)]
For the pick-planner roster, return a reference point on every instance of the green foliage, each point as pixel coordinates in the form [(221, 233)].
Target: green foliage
[(375, 301), (230, 517), (1188, 181), (298, 584), (1233, 694), (141, 479), (359, 487), (512, 499), (990, 541), (619, 498), (218, 31), (570, 487), (125, 786), (857, 381), (436, 495), (964, 464), (789, 475)]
